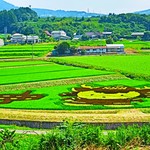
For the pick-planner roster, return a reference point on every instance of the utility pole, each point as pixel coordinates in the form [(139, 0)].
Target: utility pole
[(32, 46), (5, 33)]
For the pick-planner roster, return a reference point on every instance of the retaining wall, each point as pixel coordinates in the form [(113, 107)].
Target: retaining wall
[(50, 125)]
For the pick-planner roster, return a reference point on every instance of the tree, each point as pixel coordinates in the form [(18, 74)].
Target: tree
[(109, 40), (62, 48), (146, 36), (73, 50)]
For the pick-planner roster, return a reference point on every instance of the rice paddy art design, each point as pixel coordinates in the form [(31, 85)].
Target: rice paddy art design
[(8, 98), (111, 95)]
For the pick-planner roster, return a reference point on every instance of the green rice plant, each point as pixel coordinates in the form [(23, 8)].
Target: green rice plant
[(137, 66), (25, 51), (44, 72)]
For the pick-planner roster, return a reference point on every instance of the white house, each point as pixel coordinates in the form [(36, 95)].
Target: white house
[(114, 48), (77, 37), (137, 34), (32, 39), (1, 42), (106, 34), (18, 38), (60, 35)]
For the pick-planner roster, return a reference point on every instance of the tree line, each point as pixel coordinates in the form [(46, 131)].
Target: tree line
[(26, 21)]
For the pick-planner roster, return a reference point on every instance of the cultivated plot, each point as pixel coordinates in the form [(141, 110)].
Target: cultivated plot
[(53, 99), (20, 73)]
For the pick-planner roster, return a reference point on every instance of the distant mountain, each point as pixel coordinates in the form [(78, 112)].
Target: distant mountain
[(63, 13), (147, 12), (46, 12), (6, 6)]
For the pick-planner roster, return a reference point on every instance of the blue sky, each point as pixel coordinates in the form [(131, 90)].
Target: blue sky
[(99, 6)]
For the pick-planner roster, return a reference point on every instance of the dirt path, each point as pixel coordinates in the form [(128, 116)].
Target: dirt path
[(101, 116), (33, 132)]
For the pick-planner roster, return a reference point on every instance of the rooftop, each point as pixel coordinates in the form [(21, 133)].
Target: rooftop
[(91, 47), (114, 45)]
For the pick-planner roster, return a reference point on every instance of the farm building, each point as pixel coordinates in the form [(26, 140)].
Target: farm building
[(109, 48), (114, 48), (1, 42), (92, 49)]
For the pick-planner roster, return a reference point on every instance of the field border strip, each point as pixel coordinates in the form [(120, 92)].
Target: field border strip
[(50, 83)]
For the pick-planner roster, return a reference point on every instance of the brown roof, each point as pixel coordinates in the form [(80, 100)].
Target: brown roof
[(91, 47), (47, 33)]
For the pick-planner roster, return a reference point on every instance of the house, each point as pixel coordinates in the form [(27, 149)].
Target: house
[(18, 38), (135, 34), (60, 35), (1, 42), (21, 39), (32, 39), (88, 50), (93, 35), (47, 33), (77, 37), (115, 48), (106, 34)]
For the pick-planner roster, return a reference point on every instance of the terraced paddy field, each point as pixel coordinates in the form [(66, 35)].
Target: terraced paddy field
[(34, 72), (25, 51), (39, 86)]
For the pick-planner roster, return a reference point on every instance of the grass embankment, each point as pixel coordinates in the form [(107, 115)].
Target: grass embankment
[(77, 136), (137, 66)]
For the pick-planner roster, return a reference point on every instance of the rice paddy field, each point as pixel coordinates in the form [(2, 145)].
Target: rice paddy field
[(135, 44), (53, 80), (134, 65), (25, 51), (55, 87), (42, 71), (53, 100)]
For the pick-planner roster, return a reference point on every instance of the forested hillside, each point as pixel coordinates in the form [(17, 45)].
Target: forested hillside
[(26, 21)]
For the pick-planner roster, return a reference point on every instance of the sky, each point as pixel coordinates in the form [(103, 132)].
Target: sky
[(97, 6)]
